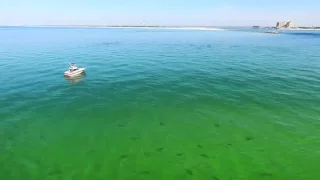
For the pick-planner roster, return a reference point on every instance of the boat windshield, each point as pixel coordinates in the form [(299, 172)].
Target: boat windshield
[(71, 69)]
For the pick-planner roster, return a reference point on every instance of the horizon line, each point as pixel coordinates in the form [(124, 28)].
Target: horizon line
[(160, 26), (83, 25)]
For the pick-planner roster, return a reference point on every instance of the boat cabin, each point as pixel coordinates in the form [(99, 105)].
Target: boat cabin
[(73, 67)]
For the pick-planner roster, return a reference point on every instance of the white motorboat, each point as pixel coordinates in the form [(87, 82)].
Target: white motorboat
[(73, 70)]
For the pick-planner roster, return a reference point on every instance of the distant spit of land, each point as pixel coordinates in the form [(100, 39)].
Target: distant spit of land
[(204, 28)]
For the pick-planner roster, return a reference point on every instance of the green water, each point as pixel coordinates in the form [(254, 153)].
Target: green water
[(158, 104)]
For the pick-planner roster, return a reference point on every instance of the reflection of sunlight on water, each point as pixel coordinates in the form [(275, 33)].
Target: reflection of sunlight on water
[(76, 79)]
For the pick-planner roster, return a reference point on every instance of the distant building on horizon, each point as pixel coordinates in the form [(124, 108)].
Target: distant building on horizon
[(284, 24), (289, 25), (280, 25)]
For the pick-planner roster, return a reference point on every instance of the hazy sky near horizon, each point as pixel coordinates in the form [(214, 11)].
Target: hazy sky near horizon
[(158, 12)]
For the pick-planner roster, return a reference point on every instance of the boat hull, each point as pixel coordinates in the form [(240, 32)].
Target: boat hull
[(75, 73)]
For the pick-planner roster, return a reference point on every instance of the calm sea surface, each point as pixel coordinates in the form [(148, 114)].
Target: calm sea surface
[(159, 105)]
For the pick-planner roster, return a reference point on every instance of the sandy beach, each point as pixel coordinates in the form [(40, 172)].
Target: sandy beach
[(141, 27), (170, 28)]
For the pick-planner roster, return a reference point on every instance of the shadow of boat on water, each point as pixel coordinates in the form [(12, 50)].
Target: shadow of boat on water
[(76, 79)]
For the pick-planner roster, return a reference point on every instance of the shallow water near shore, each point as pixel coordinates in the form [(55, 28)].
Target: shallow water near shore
[(159, 104)]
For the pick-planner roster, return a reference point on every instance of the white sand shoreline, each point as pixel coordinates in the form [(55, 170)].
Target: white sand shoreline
[(140, 27), (172, 28)]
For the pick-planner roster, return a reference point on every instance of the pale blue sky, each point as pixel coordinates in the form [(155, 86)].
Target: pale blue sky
[(158, 12)]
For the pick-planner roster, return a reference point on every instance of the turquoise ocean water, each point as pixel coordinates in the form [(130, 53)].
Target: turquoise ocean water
[(159, 104)]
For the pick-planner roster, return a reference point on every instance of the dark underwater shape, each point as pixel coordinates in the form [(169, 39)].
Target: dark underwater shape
[(159, 149), (189, 172), (179, 154), (55, 170), (125, 156), (214, 178), (205, 156), (249, 138), (265, 174), (145, 172)]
